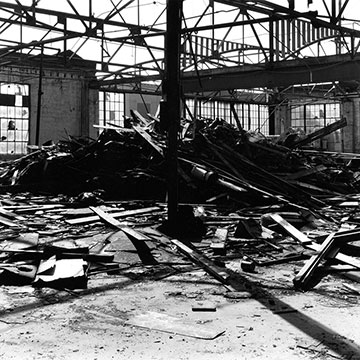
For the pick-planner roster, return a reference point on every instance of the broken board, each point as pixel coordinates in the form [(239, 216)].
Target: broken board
[(173, 325)]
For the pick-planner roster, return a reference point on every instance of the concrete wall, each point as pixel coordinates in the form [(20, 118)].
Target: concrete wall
[(136, 102)]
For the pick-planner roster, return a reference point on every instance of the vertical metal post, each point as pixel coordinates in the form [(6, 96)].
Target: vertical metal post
[(21, 33), (271, 42), (38, 113), (213, 30), (171, 89), (333, 11), (90, 14), (273, 103), (65, 40)]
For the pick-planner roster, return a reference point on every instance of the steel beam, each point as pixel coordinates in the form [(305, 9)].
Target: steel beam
[(291, 72), (82, 18), (271, 9)]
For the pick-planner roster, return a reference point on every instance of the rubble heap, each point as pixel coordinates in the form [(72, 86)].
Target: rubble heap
[(246, 202)]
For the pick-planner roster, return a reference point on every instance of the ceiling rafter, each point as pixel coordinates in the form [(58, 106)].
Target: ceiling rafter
[(133, 51), (44, 11)]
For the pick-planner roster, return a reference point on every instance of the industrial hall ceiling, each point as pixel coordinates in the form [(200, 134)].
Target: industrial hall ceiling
[(225, 44)]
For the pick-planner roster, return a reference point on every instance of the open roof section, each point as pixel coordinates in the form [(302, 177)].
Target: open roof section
[(124, 39)]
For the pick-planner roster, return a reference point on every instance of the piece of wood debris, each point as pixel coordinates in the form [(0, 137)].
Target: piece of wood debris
[(110, 219), (217, 272), (290, 229), (120, 214), (138, 239), (40, 254), (303, 279), (174, 325), (350, 235), (203, 308), (11, 215)]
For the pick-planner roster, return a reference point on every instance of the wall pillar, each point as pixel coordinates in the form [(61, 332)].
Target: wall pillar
[(280, 117), (350, 135), (356, 125), (84, 109)]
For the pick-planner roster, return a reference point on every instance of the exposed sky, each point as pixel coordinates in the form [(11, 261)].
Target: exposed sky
[(152, 12)]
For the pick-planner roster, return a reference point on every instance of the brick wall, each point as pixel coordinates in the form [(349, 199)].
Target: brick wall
[(67, 105)]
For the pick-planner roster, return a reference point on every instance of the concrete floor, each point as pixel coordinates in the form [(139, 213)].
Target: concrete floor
[(147, 312)]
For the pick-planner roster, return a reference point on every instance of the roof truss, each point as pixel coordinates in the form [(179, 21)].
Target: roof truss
[(124, 39)]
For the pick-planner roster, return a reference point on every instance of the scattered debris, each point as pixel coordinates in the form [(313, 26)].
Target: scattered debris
[(79, 208), (247, 264)]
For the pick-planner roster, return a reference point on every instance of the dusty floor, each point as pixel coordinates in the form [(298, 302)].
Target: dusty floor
[(269, 321)]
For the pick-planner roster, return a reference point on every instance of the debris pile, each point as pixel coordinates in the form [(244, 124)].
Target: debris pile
[(60, 243), (246, 203), (116, 163), (214, 159)]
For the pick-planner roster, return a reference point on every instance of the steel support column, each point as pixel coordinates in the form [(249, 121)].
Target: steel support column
[(171, 90), (40, 93)]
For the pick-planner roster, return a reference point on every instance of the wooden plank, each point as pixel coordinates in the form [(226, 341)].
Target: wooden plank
[(138, 239), (306, 242), (237, 120), (282, 259), (320, 133), (306, 172), (333, 154), (111, 127), (345, 236), (138, 117), (290, 229), (90, 219), (147, 137), (303, 279), (11, 215), (312, 187), (214, 270), (40, 254), (32, 208), (222, 158), (110, 219), (354, 204), (197, 258), (349, 260), (278, 185), (9, 223)]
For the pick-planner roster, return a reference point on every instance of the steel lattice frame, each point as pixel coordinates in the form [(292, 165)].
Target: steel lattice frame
[(125, 39)]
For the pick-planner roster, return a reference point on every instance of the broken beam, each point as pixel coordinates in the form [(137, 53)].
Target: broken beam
[(137, 238), (110, 219), (303, 279), (306, 242), (204, 262)]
